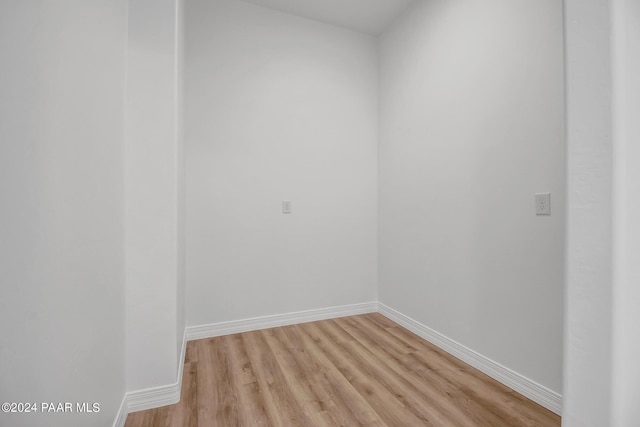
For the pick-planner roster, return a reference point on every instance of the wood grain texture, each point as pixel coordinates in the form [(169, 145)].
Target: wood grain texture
[(354, 371)]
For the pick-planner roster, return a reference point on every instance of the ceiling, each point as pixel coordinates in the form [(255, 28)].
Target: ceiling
[(368, 16)]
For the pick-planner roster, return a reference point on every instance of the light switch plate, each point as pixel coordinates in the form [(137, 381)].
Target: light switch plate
[(286, 207), (543, 204)]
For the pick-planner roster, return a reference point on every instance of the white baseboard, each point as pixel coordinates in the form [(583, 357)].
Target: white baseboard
[(167, 395), (523, 385), (265, 322), (121, 417), (156, 397)]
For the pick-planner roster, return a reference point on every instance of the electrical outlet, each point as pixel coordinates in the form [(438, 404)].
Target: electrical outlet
[(286, 207), (543, 204)]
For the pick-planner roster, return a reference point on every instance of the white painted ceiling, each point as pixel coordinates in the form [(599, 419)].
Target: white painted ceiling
[(368, 16)]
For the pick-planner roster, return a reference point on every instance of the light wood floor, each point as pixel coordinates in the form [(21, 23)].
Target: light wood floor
[(360, 370)]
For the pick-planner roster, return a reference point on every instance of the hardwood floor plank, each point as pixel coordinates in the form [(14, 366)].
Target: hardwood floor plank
[(387, 404), (280, 401), (445, 400), (429, 405), (302, 379), (185, 413), (217, 401), (250, 403), (191, 352), (381, 337), (382, 321), (481, 390), (343, 394), (336, 393), (357, 371)]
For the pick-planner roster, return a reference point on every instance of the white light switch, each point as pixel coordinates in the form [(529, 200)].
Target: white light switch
[(543, 204), (286, 207)]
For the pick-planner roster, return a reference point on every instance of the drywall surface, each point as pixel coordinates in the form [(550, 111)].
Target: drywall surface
[(626, 226), (588, 312), (61, 222), (277, 108), (368, 16), (471, 127), (182, 219), (152, 173)]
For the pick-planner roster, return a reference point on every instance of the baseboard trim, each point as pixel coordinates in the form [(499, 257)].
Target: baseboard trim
[(523, 385), (121, 416), (141, 400), (265, 322)]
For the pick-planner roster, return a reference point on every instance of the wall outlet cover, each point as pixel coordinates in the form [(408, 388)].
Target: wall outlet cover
[(543, 204)]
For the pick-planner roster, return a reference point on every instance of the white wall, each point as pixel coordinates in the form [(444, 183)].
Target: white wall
[(603, 241), (152, 178), (471, 126), (61, 221), (277, 108), (182, 173), (588, 311), (467, 116), (626, 195)]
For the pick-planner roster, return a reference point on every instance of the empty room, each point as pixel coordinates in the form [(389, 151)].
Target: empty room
[(319, 213)]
